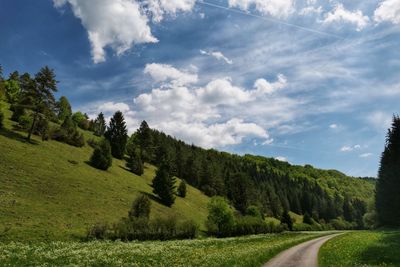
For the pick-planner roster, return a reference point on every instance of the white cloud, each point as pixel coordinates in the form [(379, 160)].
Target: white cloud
[(275, 8), (263, 86), (117, 24), (311, 10), (333, 126), (350, 148), (366, 155), (218, 55), (388, 10), (379, 120), (280, 158), (165, 73), (267, 142), (111, 107), (159, 8), (340, 14)]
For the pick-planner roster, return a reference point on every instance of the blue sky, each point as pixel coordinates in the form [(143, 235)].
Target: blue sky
[(305, 81)]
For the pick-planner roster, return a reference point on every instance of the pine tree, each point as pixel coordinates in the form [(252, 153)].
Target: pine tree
[(182, 189), (101, 157), (140, 207), (117, 135), (99, 126), (286, 219), (145, 141), (134, 162), (63, 108), (164, 185), (388, 185)]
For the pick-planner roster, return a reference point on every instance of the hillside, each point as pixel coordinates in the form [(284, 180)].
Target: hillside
[(48, 191)]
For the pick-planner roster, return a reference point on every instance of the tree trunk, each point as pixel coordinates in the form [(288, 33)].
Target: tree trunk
[(32, 127)]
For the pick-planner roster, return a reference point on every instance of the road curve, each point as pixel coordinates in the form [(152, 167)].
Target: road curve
[(303, 255)]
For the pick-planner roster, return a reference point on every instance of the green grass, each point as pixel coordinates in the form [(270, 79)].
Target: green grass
[(241, 251), (362, 248), (49, 192)]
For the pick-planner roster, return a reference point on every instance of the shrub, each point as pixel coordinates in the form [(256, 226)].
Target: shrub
[(24, 122), (287, 220), (341, 224), (92, 143), (101, 157), (98, 231), (182, 189), (1, 119), (140, 207), (220, 220), (18, 111), (254, 211), (42, 128), (134, 163)]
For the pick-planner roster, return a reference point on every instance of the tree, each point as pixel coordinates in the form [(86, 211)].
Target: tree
[(388, 184), (164, 185), (63, 108), (286, 219), (141, 207), (220, 219), (134, 162), (182, 189), (40, 94), (307, 218), (145, 141), (101, 157), (99, 125), (12, 90), (117, 135), (1, 119)]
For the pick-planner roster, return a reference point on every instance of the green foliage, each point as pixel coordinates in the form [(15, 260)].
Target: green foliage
[(220, 220), (145, 141), (341, 224), (63, 108), (254, 211), (68, 133), (387, 187), (287, 220), (134, 162), (164, 185), (101, 157), (42, 128), (24, 122), (12, 90), (1, 119), (250, 225), (80, 120), (307, 218), (141, 207), (99, 126), (182, 189), (18, 111), (117, 135)]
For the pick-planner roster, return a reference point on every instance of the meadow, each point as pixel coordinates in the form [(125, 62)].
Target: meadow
[(239, 251), (362, 248)]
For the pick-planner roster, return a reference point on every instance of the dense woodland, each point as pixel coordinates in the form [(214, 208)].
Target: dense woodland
[(252, 184)]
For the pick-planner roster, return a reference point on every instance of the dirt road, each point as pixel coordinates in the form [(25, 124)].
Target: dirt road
[(303, 255)]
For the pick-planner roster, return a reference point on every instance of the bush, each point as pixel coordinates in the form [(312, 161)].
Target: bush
[(134, 163), (287, 220), (140, 207), (24, 122), (1, 119), (92, 143), (220, 220), (101, 157), (42, 129), (182, 189), (341, 224), (18, 111), (254, 211), (98, 231)]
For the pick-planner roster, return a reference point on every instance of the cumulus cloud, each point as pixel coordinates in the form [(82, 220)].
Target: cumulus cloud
[(366, 155), (311, 10), (350, 148), (165, 73), (340, 14), (275, 8), (388, 10), (159, 8), (218, 55), (263, 86), (111, 107)]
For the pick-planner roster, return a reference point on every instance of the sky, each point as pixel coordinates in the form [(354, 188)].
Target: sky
[(308, 82)]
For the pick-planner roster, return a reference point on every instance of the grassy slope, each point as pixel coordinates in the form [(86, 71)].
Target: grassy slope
[(240, 251), (362, 248), (44, 196)]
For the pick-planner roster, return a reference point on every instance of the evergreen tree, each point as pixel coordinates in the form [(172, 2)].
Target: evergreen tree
[(164, 185), (141, 207), (286, 219), (388, 185), (134, 162), (99, 126), (63, 108), (182, 189), (117, 135), (145, 141), (101, 157), (307, 218)]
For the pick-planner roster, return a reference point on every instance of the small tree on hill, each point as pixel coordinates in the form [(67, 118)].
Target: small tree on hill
[(307, 218), (63, 108), (99, 126), (141, 207), (164, 185), (182, 189), (388, 185), (145, 141), (117, 135), (101, 157), (286, 219), (134, 163), (220, 220)]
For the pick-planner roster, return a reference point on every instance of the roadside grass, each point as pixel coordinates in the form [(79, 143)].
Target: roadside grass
[(239, 251), (362, 248), (48, 191)]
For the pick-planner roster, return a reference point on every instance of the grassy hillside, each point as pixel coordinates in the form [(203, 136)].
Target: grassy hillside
[(48, 191)]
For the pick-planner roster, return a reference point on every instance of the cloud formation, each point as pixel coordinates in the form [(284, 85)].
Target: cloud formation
[(340, 14), (159, 8), (167, 73), (275, 8), (218, 55), (389, 11)]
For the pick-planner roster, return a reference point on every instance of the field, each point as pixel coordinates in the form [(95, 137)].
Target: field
[(241, 251), (362, 248), (49, 192)]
